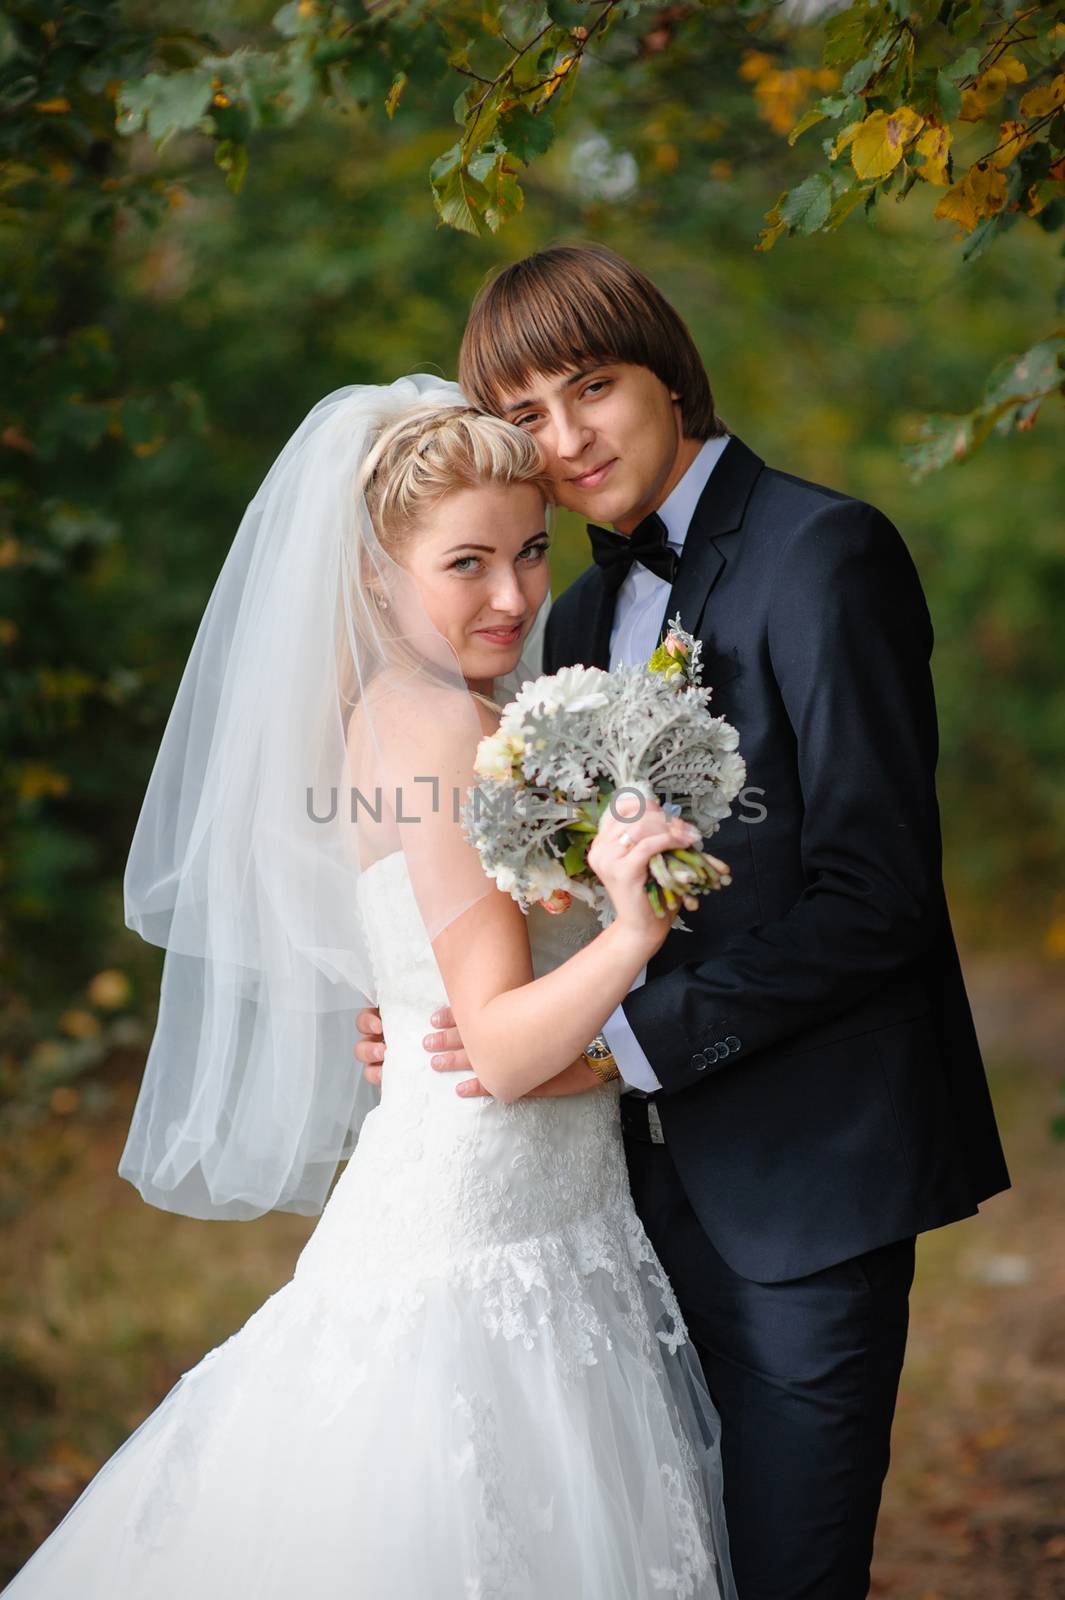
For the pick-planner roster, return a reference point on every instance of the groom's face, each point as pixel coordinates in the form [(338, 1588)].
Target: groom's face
[(611, 435)]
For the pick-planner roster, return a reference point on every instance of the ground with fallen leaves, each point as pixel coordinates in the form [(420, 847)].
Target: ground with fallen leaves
[(105, 1301)]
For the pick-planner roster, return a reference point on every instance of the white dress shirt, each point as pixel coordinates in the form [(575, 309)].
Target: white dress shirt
[(638, 617)]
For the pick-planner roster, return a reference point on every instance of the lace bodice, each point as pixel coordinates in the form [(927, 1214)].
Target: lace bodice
[(499, 1198), (485, 1171)]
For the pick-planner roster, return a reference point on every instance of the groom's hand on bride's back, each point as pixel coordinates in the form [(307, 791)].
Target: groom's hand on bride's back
[(443, 1045), (445, 1049), (370, 1049), (448, 1055)]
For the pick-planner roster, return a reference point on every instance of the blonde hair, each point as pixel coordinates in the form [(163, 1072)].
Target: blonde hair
[(431, 451)]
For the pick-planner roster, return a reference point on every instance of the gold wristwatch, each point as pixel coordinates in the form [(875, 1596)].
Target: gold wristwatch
[(600, 1058)]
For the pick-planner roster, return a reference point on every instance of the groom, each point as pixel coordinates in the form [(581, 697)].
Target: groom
[(805, 1088)]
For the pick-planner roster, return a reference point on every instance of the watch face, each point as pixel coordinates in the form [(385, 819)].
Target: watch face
[(599, 1050)]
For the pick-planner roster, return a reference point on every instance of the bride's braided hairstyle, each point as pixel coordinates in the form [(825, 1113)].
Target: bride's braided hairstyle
[(431, 451)]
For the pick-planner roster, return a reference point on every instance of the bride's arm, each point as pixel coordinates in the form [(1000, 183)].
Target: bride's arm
[(520, 1031)]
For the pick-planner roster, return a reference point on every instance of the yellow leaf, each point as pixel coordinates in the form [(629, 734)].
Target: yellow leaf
[(79, 1024), (878, 145), (667, 157), (934, 145), (57, 105), (781, 94), (981, 193), (37, 778), (1012, 138), (558, 77), (1040, 102), (990, 86), (845, 138), (110, 990), (755, 65)]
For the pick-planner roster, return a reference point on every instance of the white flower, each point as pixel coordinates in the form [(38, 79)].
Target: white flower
[(543, 877), (570, 689), (498, 754), (506, 879)]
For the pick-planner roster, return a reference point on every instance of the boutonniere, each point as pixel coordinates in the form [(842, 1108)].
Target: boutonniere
[(677, 658)]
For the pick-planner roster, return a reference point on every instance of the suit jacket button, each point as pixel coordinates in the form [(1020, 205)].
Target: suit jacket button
[(699, 1062), (733, 1043), (722, 1050)]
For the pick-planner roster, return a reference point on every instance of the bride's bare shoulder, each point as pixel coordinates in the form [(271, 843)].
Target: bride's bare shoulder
[(401, 713)]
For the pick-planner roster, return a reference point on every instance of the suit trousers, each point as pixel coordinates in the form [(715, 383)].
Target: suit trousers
[(804, 1374)]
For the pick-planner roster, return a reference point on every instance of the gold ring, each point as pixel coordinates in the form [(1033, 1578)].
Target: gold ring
[(627, 841)]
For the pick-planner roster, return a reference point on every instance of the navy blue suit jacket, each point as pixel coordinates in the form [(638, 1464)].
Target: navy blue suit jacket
[(823, 1091)]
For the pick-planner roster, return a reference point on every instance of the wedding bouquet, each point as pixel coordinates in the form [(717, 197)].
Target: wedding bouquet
[(569, 743)]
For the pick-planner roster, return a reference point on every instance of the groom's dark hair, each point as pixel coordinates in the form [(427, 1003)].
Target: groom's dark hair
[(578, 303)]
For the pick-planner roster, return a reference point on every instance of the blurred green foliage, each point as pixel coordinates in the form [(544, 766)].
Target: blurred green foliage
[(964, 96), (162, 336)]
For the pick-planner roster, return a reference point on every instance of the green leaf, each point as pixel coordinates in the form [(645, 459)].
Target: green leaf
[(840, 105), (949, 97), (445, 164), (809, 119), (1036, 372), (525, 134), (455, 197), (292, 20), (232, 158), (571, 13), (863, 72), (846, 35), (576, 855), (858, 76), (806, 209), (844, 204), (164, 105), (967, 65), (980, 238)]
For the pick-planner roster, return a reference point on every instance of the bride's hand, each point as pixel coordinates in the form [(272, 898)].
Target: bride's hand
[(630, 833)]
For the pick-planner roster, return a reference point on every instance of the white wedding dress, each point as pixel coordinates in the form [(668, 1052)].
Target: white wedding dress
[(476, 1386)]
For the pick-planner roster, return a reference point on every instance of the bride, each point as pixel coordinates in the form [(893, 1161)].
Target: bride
[(477, 1384)]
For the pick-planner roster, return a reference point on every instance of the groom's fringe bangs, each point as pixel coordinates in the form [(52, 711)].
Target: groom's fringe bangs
[(572, 304), (431, 451)]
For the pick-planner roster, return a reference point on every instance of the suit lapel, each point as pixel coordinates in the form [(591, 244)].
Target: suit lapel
[(720, 512)]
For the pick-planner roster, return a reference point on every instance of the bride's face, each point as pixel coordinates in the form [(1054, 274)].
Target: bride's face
[(479, 561)]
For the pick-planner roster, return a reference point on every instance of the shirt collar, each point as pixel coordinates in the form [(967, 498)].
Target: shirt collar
[(679, 506)]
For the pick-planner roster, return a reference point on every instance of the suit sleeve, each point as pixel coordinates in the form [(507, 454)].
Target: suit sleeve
[(849, 641)]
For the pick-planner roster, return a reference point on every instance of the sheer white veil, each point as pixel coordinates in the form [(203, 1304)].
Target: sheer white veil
[(244, 864)]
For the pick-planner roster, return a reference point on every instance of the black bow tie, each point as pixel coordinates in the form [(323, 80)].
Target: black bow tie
[(614, 553)]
